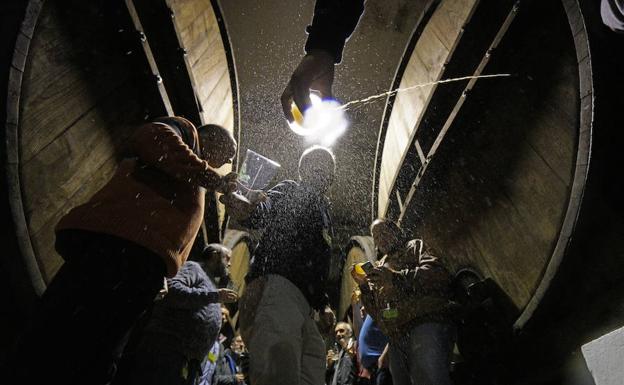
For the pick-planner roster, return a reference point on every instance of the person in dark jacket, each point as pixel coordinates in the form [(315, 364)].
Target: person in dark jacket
[(288, 274), (408, 294), (118, 247), (341, 361), (229, 369), (185, 324), (332, 24)]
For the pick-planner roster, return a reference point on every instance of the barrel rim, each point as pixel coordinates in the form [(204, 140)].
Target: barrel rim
[(233, 237), (586, 88), (16, 203), (579, 34)]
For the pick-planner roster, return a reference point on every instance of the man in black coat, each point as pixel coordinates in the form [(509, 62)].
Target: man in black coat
[(333, 23), (231, 365), (288, 273), (341, 361)]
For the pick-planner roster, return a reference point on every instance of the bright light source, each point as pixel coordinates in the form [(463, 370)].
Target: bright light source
[(323, 123)]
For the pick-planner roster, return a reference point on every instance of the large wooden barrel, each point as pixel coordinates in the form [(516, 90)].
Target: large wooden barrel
[(492, 172), (359, 249), (84, 75), (241, 244)]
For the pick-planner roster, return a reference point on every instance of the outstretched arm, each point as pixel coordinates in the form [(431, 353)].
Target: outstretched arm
[(189, 289), (332, 24), (157, 145)]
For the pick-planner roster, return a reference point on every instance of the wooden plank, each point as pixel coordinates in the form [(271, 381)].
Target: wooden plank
[(209, 67), (515, 231), (512, 258), (54, 91), (43, 240), (555, 143), (201, 35), (217, 95), (539, 195), (431, 53), (225, 112), (187, 11), (56, 173), (211, 44), (210, 81), (163, 37)]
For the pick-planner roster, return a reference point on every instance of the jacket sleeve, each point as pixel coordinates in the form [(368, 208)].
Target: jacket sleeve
[(222, 374), (187, 290), (429, 277), (368, 300), (159, 146), (263, 213), (224, 379), (332, 24)]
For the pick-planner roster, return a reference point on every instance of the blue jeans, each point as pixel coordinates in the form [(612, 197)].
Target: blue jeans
[(422, 356)]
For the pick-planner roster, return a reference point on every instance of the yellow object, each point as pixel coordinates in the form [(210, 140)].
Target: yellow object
[(358, 269), (297, 115)]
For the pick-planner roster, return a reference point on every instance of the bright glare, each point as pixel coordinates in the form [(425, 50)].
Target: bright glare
[(323, 123)]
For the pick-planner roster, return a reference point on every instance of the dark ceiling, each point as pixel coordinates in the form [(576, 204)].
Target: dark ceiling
[(268, 38)]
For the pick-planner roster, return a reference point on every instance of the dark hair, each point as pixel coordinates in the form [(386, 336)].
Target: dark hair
[(211, 250), (216, 133), (318, 156), (389, 224)]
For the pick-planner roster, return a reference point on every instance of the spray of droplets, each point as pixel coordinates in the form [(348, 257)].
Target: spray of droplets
[(325, 120), (371, 98)]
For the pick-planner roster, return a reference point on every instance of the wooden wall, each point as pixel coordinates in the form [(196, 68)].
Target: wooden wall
[(86, 85), (78, 102), (239, 243), (359, 249), (425, 65), (200, 36), (498, 191)]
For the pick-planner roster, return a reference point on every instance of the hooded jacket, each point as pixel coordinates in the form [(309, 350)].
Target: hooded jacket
[(156, 197), (420, 292), (187, 320)]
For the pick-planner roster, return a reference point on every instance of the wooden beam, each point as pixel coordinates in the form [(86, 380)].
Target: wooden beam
[(157, 20), (149, 56), (478, 41)]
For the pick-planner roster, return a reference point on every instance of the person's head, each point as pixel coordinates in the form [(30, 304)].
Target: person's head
[(184, 127), (387, 235), (218, 146), (215, 259), (225, 314), (237, 345), (317, 167), (343, 331)]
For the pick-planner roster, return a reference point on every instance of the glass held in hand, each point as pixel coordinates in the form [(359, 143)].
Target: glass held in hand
[(255, 173)]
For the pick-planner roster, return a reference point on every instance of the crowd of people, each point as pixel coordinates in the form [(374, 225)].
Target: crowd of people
[(132, 304), (108, 316)]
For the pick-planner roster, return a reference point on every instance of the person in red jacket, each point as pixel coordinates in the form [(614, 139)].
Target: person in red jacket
[(119, 246)]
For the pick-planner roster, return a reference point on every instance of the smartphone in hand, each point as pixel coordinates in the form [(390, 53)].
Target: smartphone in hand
[(368, 267)]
